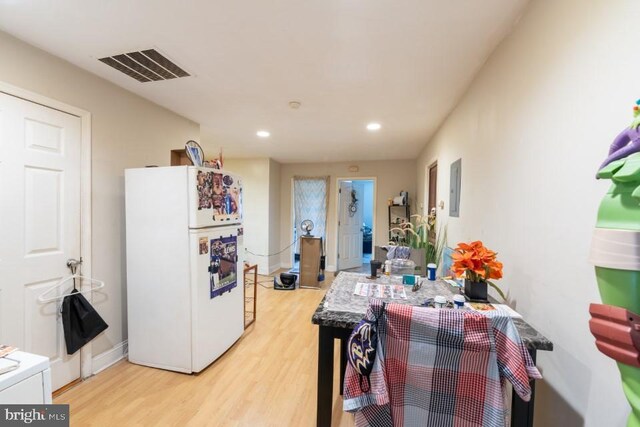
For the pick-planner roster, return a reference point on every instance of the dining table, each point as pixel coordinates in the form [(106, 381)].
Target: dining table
[(344, 306)]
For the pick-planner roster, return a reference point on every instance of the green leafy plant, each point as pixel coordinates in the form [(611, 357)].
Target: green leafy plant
[(419, 233), (435, 249)]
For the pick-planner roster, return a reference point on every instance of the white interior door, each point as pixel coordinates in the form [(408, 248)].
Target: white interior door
[(349, 228), (39, 225)]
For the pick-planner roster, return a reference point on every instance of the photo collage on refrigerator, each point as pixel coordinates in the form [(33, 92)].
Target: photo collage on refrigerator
[(221, 193), (223, 265)]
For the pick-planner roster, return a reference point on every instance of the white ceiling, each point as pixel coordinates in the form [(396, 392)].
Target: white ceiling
[(401, 63)]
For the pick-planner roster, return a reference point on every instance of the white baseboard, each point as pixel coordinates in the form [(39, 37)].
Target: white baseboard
[(286, 266), (109, 357), (274, 268)]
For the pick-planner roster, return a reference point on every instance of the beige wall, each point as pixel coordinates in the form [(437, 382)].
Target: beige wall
[(274, 214), (531, 132), (261, 209), (127, 131), (392, 177), (255, 207)]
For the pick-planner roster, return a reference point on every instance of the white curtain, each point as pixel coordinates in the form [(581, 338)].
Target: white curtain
[(311, 201)]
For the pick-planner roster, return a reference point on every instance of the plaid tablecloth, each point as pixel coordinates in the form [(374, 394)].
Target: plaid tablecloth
[(439, 367)]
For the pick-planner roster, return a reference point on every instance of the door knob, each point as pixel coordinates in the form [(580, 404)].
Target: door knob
[(73, 264)]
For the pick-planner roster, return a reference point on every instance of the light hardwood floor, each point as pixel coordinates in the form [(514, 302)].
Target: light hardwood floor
[(268, 378)]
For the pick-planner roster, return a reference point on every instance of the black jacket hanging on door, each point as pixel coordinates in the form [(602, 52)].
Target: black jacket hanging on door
[(80, 321)]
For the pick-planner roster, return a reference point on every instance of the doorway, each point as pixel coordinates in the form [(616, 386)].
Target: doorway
[(45, 155), (356, 223), (432, 179), (432, 196)]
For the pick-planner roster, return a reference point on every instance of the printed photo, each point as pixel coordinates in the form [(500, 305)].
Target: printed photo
[(223, 265), (205, 189), (218, 205), (227, 198), (218, 188), (203, 245)]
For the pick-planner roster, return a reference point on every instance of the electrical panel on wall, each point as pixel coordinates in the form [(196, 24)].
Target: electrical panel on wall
[(454, 188)]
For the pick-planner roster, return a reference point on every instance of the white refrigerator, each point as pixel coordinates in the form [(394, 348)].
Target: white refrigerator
[(185, 284)]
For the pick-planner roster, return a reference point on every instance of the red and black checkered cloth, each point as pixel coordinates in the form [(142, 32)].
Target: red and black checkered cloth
[(440, 367)]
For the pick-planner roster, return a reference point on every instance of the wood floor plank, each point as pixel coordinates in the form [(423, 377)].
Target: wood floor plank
[(268, 378)]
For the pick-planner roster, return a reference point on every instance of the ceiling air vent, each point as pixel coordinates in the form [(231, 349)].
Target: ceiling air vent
[(145, 66)]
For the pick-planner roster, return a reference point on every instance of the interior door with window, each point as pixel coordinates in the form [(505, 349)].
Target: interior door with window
[(349, 227), (39, 225), (433, 189)]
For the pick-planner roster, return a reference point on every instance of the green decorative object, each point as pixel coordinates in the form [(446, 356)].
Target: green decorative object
[(616, 243), (419, 233)]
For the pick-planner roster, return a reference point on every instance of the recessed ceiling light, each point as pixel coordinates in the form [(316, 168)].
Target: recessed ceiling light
[(373, 126), (263, 134)]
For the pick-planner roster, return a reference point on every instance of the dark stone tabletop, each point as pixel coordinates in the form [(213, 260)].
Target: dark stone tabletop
[(341, 308)]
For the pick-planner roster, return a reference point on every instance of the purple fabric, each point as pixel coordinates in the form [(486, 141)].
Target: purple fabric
[(626, 143), (397, 252)]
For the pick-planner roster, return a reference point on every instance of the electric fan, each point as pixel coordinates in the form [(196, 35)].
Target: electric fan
[(307, 225), (194, 153)]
